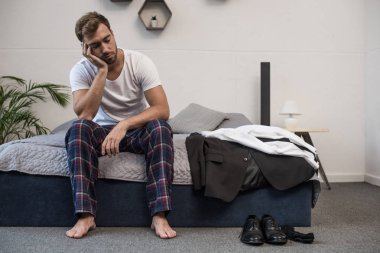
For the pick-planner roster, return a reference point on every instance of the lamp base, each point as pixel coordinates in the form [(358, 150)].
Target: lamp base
[(291, 123)]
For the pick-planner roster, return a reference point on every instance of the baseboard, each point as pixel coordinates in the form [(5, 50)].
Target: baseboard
[(372, 179), (344, 178), (340, 178)]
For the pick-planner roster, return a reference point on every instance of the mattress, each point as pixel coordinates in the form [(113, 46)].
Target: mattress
[(46, 155)]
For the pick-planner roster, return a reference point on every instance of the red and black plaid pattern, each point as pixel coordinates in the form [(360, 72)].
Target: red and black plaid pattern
[(83, 146)]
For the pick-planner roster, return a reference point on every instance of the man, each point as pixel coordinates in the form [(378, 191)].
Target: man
[(110, 86)]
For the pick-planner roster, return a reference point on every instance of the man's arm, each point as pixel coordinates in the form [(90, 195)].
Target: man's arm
[(159, 109), (87, 102)]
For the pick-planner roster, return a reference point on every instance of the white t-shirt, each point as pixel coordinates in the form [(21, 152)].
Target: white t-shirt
[(123, 97)]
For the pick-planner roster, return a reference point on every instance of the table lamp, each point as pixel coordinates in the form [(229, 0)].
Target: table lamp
[(290, 109)]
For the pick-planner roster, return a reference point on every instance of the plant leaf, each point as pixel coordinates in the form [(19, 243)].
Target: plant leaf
[(16, 100)]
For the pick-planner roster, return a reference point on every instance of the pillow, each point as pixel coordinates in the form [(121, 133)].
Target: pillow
[(63, 127), (196, 118), (234, 120)]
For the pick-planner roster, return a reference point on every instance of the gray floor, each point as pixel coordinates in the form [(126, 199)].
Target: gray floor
[(346, 219)]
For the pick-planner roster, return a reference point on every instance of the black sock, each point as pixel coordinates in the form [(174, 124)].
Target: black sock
[(297, 236)]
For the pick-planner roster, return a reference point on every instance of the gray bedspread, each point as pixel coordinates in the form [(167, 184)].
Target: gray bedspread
[(46, 155)]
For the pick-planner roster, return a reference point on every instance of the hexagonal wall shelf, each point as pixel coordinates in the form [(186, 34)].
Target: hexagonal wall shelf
[(155, 14)]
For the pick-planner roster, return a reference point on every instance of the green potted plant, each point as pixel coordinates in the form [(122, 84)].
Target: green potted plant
[(17, 120)]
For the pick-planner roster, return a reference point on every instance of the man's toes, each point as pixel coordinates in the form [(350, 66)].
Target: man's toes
[(167, 233), (70, 233), (163, 236), (172, 234), (161, 233), (78, 235)]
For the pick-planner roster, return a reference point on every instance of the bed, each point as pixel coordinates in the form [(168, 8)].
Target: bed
[(35, 189)]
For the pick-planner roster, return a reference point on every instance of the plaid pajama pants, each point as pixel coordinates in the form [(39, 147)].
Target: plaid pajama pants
[(83, 146)]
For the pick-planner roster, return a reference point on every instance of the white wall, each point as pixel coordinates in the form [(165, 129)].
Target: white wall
[(372, 104), (210, 53)]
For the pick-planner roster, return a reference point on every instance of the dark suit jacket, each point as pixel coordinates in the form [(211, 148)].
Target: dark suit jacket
[(220, 167)]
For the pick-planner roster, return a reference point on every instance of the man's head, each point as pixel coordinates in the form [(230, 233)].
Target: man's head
[(94, 31), (89, 23)]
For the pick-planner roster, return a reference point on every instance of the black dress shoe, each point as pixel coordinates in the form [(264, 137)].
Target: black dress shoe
[(251, 233), (272, 232)]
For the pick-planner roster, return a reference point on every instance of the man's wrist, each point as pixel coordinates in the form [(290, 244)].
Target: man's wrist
[(103, 71), (125, 124)]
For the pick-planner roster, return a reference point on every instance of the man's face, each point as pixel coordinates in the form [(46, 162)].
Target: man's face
[(102, 44)]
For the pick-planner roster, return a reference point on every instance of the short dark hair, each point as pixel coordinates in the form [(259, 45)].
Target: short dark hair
[(89, 23)]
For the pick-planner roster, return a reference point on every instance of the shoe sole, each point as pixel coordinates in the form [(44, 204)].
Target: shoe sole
[(255, 243), (277, 243)]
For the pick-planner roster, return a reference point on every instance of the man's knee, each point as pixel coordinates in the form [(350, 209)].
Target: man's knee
[(83, 124), (80, 126), (159, 126)]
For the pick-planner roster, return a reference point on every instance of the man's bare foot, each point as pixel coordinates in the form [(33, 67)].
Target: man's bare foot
[(162, 228), (84, 224)]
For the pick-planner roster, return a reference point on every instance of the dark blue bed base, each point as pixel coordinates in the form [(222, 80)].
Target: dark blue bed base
[(32, 200)]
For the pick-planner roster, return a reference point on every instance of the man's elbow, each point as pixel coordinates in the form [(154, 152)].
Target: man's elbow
[(165, 118), (86, 116), (165, 114), (83, 114)]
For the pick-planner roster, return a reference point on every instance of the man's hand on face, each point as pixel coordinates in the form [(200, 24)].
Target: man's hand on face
[(87, 52), (110, 145)]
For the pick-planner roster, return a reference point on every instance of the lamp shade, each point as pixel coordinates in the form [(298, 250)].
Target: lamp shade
[(290, 108)]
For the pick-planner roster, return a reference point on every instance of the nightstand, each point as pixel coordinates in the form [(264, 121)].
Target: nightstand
[(305, 134)]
